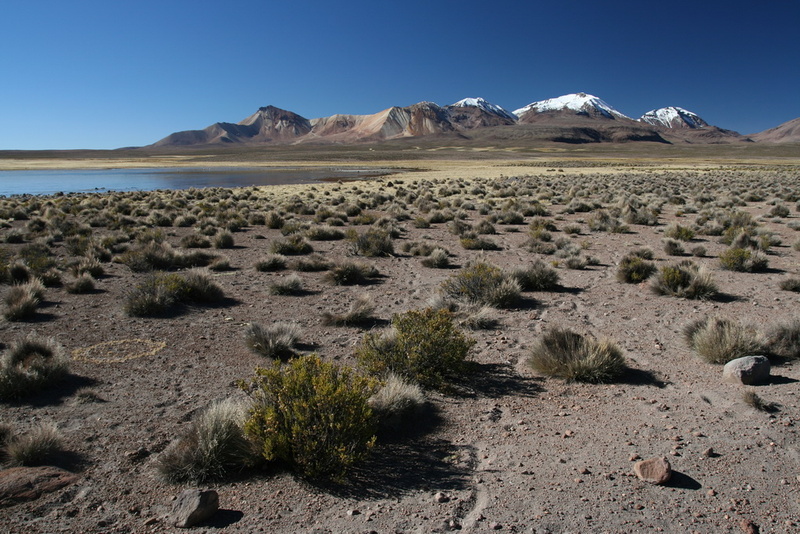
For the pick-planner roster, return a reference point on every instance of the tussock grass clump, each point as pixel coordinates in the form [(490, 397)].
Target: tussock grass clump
[(311, 415), (634, 269), (720, 340), (482, 283), (160, 292), (562, 353), (41, 445), (396, 401), (224, 239), (673, 247), (313, 263), (91, 266), (374, 242), (324, 233), (195, 241), (538, 276), (361, 312), (276, 341), (270, 263), (293, 245), (424, 345), (213, 447), (471, 241), (438, 258), (82, 284), (754, 401), (684, 280), (30, 365), (681, 233), (743, 260), (790, 284), (783, 339), (290, 285), (155, 256), (349, 273), (21, 302)]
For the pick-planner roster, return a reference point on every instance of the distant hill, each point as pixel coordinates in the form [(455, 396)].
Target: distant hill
[(788, 132), (573, 118)]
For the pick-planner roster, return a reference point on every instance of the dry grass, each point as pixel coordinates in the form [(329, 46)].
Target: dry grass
[(719, 340), (562, 353)]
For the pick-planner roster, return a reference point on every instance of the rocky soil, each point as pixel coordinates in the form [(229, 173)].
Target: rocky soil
[(510, 452)]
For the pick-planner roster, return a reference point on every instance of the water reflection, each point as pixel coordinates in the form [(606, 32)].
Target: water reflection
[(45, 182)]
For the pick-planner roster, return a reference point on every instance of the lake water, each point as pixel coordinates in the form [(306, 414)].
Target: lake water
[(47, 182)]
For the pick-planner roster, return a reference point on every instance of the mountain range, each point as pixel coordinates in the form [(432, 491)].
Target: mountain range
[(573, 118)]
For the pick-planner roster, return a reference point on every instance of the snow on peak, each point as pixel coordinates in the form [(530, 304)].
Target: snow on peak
[(484, 105), (577, 102), (673, 117)]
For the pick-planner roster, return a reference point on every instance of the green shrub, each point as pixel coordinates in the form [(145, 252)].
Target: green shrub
[(537, 276), (312, 415), (158, 293), (275, 342), (37, 258), (562, 353), (425, 346), (30, 365), (42, 445), (633, 269), (684, 280), (372, 243), (213, 447), (471, 241), (482, 283), (742, 260), (719, 340)]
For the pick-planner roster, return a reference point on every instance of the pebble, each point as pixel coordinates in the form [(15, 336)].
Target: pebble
[(440, 497)]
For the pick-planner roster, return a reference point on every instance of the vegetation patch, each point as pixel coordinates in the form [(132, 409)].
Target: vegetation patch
[(562, 353)]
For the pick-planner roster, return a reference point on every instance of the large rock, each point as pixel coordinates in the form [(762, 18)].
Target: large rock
[(747, 370), (20, 484), (193, 506), (654, 470)]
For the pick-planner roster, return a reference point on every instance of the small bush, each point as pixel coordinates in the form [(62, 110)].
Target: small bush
[(482, 283), (30, 365), (742, 260), (272, 262), (566, 354), (275, 342), (214, 446), (91, 266), (313, 263), (159, 293), (324, 233), (684, 280), (719, 340), (350, 273), (42, 445), (783, 339), (426, 346), (195, 241), (360, 313), (472, 242), (538, 276), (199, 288), (633, 269), (312, 415), (290, 285)]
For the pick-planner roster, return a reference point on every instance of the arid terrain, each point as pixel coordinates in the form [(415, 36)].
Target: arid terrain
[(507, 449)]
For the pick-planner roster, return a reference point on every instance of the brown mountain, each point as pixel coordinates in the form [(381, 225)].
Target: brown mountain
[(268, 124), (788, 132)]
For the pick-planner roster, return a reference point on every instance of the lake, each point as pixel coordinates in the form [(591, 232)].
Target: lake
[(48, 182)]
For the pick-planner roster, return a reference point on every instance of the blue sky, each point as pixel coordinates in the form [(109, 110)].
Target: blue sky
[(109, 74)]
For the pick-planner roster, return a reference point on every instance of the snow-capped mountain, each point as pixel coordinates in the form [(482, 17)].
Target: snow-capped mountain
[(575, 104), (480, 103), (673, 117)]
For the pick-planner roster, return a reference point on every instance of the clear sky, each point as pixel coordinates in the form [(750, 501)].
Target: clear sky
[(109, 74)]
